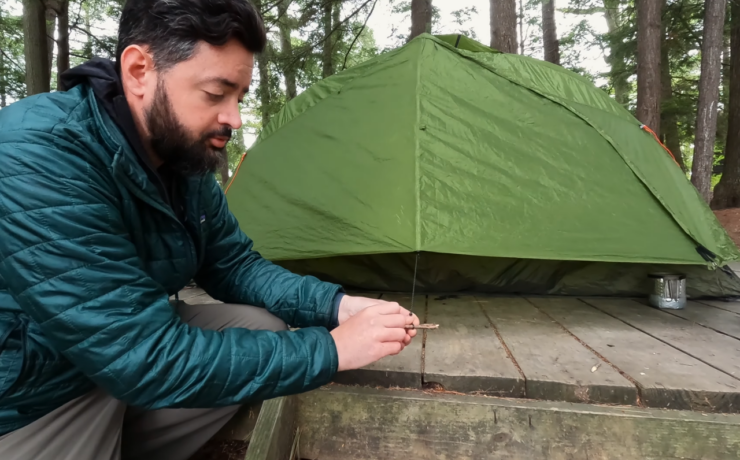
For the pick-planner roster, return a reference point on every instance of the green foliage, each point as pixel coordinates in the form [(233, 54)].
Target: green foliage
[(12, 72)]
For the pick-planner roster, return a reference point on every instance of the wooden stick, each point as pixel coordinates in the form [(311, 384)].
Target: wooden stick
[(423, 326)]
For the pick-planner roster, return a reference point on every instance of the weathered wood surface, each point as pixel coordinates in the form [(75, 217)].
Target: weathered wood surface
[(190, 292), (556, 366), (675, 359), (666, 376), (717, 350), (241, 426), (714, 318), (465, 354), (275, 430), (402, 370), (364, 423), (733, 307)]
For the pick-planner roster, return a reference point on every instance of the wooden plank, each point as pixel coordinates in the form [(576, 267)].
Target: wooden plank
[(364, 423), (188, 293), (242, 424), (717, 350), (715, 318), (402, 370), (556, 366), (275, 430), (465, 354), (666, 377), (727, 306), (202, 299)]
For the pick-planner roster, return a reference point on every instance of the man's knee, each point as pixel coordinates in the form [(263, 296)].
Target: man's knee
[(225, 316)]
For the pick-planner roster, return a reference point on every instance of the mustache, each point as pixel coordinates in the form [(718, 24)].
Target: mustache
[(224, 131)]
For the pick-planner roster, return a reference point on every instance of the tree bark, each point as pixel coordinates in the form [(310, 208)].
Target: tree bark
[(648, 63), (706, 120), (619, 73), (286, 50), (264, 87), (327, 61), (503, 25), (668, 120), (3, 83), (549, 32), (727, 192), (336, 19), (51, 24), (421, 18), (62, 42), (35, 47)]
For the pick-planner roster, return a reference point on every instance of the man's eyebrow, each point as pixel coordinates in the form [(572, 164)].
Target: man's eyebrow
[(225, 82)]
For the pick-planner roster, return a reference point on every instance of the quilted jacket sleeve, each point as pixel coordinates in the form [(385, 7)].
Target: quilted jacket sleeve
[(69, 263), (234, 272)]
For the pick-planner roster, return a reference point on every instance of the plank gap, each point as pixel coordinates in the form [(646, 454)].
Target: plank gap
[(703, 325), (424, 339), (503, 344), (664, 341), (638, 388), (716, 306)]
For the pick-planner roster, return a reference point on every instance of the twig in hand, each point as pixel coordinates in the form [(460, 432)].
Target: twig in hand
[(422, 326)]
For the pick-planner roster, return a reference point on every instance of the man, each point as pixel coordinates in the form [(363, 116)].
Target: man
[(108, 205)]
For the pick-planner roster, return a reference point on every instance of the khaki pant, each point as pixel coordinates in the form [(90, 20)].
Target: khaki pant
[(98, 427)]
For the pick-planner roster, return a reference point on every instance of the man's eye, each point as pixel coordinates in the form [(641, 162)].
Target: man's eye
[(215, 97)]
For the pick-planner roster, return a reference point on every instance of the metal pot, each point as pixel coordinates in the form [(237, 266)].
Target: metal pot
[(669, 291)]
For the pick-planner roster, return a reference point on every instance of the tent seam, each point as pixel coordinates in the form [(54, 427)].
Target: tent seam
[(417, 178)]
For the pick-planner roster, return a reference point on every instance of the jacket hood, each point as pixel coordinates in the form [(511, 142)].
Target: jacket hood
[(101, 75)]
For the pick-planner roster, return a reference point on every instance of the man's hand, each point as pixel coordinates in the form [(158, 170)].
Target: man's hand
[(351, 305), (371, 334)]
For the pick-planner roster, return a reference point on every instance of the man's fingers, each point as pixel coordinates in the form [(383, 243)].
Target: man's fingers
[(386, 308), (395, 334), (391, 348)]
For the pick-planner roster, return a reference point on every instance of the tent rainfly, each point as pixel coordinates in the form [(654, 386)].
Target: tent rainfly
[(502, 173)]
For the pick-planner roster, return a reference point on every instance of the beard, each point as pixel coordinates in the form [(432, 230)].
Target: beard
[(180, 150)]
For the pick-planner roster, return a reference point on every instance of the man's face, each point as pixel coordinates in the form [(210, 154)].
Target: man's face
[(196, 106)]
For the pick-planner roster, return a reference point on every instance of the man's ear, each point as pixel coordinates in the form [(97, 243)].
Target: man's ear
[(137, 71)]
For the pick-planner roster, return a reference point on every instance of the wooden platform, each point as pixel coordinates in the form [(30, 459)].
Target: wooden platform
[(583, 350)]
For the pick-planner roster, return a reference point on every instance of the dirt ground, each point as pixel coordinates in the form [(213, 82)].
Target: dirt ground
[(730, 220)]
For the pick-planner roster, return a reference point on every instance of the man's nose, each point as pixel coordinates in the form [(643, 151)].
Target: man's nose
[(231, 117)]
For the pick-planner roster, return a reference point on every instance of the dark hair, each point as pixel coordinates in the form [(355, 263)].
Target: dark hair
[(172, 28)]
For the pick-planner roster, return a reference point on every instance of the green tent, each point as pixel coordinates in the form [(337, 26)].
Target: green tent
[(503, 173)]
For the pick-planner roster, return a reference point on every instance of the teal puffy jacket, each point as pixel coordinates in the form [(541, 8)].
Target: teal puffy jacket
[(90, 253)]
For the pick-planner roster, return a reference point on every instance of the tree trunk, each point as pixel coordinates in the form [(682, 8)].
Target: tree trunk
[(264, 86), (327, 61), (648, 63), (3, 84), (421, 18), (549, 32), (503, 26), (336, 19), (668, 119), (51, 24), (706, 120), (62, 42), (619, 74), (727, 192), (35, 47), (286, 50), (87, 50)]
